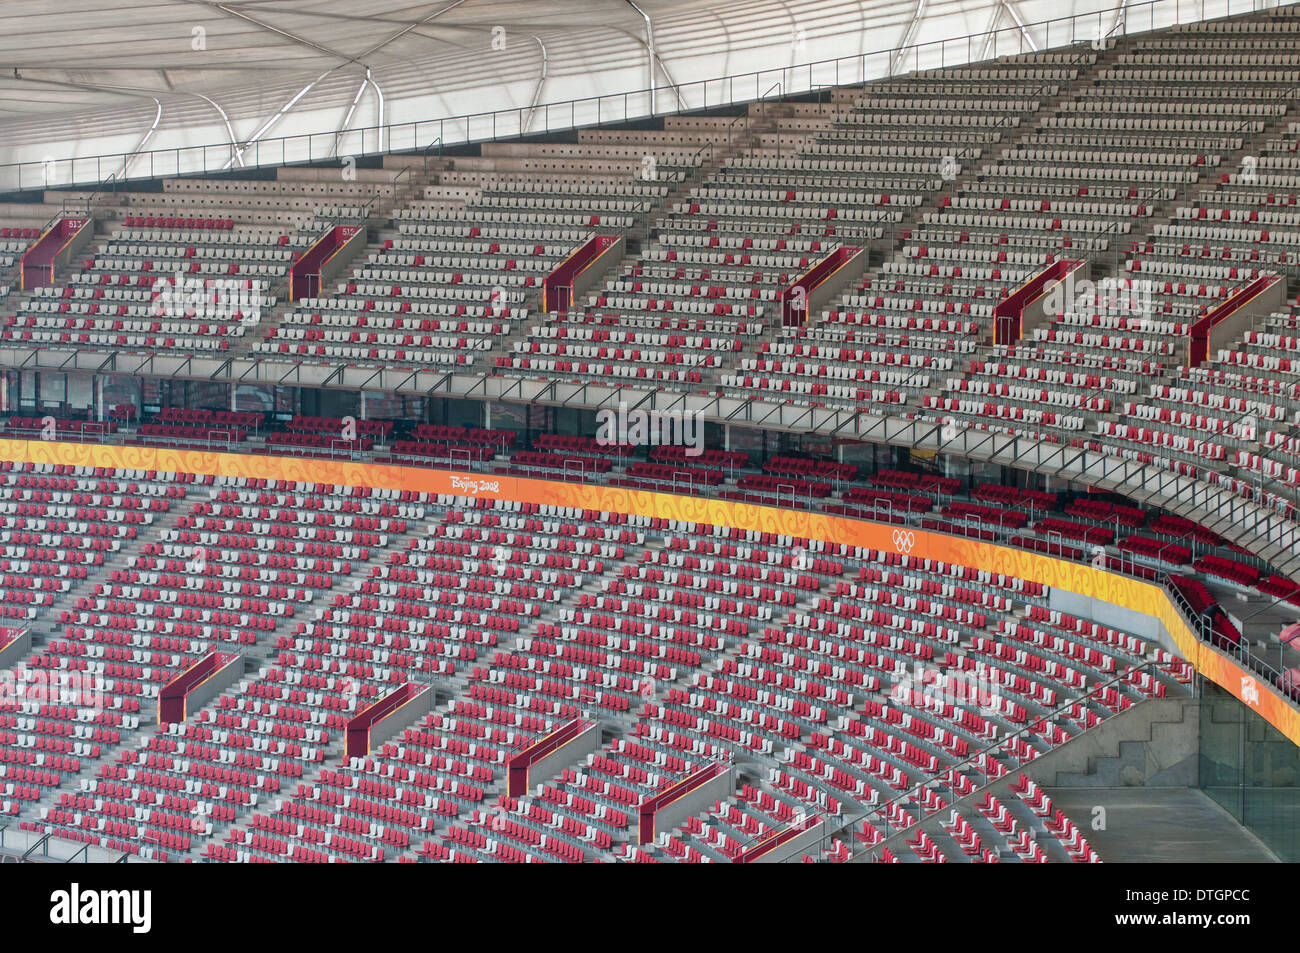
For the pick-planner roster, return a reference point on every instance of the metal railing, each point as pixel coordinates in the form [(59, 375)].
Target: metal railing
[(1137, 17), (87, 206), (38, 845), (970, 525), (23, 846), (425, 152), (1242, 652), (1247, 518)]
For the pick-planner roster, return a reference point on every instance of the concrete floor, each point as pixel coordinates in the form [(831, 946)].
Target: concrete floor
[(1161, 826)]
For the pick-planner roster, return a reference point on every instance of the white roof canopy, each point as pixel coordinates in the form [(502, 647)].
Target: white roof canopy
[(99, 77)]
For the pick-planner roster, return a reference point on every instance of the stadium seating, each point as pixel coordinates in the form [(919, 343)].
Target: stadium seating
[(895, 700), (159, 285), (705, 643)]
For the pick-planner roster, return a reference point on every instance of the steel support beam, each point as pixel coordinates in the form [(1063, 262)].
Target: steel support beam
[(1010, 7), (650, 56), (126, 163), (343, 126), (537, 92), (900, 54)]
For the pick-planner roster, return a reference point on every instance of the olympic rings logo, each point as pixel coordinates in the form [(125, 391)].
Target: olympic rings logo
[(904, 540)]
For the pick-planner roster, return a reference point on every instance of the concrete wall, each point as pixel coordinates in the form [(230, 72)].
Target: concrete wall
[(342, 258), (1037, 313), (1116, 617), (838, 282), (214, 684), (1240, 321), (1153, 744), (594, 274), (810, 842), (698, 801), (407, 714), (567, 754), (74, 246)]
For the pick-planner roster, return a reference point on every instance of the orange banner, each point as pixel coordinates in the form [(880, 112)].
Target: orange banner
[(1075, 577), (1253, 692)]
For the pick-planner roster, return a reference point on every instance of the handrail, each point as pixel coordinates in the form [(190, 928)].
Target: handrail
[(736, 89), (425, 154), (762, 103), (1240, 652), (695, 155), (732, 125), (404, 171), (375, 196), (1119, 23), (52, 221), (44, 839), (90, 202), (693, 169), (364, 214), (1266, 518), (961, 526)]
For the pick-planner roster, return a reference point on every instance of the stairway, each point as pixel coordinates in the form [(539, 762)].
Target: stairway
[(1156, 745)]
